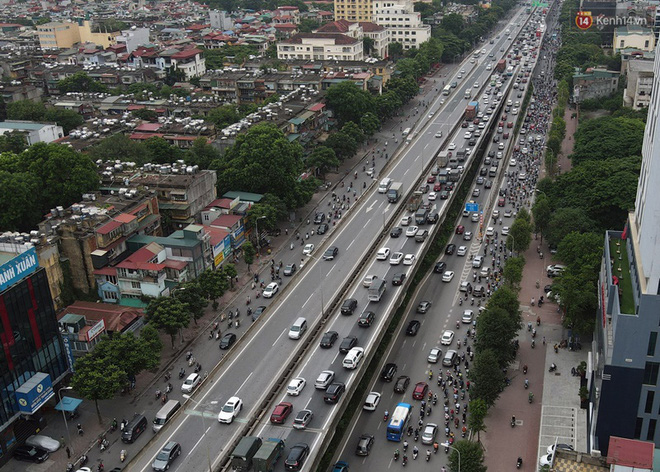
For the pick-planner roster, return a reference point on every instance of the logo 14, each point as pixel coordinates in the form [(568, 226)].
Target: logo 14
[(584, 20)]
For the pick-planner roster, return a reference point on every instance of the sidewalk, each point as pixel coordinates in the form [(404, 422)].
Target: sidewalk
[(142, 398)]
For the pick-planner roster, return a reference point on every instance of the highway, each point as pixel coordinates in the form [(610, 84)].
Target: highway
[(410, 353), (250, 369)]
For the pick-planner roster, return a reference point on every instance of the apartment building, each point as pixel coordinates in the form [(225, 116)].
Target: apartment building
[(404, 25), (639, 83), (633, 37), (320, 47), (353, 10)]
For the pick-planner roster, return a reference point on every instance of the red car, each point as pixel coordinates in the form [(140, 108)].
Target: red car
[(464, 124), (281, 412), (437, 187), (509, 124), (421, 389), (430, 179), (460, 229), (504, 117), (500, 202)]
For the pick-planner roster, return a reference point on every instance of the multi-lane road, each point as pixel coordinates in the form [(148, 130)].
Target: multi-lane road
[(250, 370)]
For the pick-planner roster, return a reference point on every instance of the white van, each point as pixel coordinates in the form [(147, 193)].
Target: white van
[(298, 328), (353, 358), (384, 185)]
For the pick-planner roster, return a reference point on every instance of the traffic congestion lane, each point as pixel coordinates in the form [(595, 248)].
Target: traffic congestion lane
[(255, 355)]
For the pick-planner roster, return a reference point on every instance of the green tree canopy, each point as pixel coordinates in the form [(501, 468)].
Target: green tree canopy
[(28, 110), (193, 296), (471, 457), (201, 154), (513, 271), (349, 102), (606, 137), (168, 314), (496, 331), (224, 116), (519, 236), (487, 377), (80, 82), (343, 145), (67, 119), (95, 379), (324, 159)]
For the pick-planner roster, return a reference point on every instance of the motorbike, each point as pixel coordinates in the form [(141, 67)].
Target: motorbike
[(191, 361), (428, 455), (396, 455), (163, 399), (513, 421), (404, 461), (122, 455), (188, 355), (519, 463), (168, 376), (435, 399), (198, 367), (415, 453), (158, 392), (103, 444), (386, 415), (553, 367), (460, 301), (169, 388), (533, 343), (113, 426), (525, 369), (83, 459), (526, 384), (182, 373), (531, 397), (69, 467), (446, 448)]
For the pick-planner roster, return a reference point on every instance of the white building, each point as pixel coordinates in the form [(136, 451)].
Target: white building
[(133, 38), (403, 23), (220, 20), (34, 132), (321, 47), (364, 29), (190, 61), (633, 37), (639, 73)]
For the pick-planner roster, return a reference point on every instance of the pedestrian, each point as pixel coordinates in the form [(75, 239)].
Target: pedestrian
[(286, 231), (80, 429), (68, 453)]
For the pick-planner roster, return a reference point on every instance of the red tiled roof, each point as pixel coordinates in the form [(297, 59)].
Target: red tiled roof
[(109, 227), (186, 53), (116, 317), (145, 136), (135, 107), (216, 235), (283, 26), (226, 221), (317, 107), (219, 203), (369, 27), (339, 38), (339, 26), (153, 127), (630, 453), (174, 264)]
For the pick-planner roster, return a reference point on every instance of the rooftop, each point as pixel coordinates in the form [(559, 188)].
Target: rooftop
[(621, 274)]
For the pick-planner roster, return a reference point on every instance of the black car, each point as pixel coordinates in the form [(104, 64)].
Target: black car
[(491, 153), (483, 171), (398, 278), (496, 138), (334, 392), (433, 217), (31, 454), (296, 457), (257, 313), (472, 142), (364, 445), (402, 384), (389, 371), (488, 184), (450, 249), (440, 267), (322, 229), (366, 319), (423, 306), (330, 253), (347, 344), (227, 340), (396, 232), (290, 269), (413, 328), (319, 218), (328, 339), (349, 306), (166, 456), (444, 195)]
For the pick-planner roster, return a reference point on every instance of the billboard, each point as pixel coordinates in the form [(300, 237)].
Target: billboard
[(17, 268), (34, 393)]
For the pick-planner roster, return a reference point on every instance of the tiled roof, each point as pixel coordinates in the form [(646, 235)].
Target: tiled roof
[(339, 26), (186, 53), (369, 27)]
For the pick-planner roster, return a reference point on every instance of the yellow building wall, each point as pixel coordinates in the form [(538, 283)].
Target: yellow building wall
[(102, 39), (65, 35)]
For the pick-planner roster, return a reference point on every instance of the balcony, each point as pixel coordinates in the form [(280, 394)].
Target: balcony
[(621, 269)]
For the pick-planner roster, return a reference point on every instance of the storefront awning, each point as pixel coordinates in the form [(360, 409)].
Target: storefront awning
[(68, 404)]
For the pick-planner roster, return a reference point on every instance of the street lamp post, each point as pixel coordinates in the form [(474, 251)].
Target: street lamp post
[(256, 228), (66, 425), (208, 453), (457, 452)]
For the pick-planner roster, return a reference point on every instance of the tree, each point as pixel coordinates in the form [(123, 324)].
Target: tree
[(96, 379), (568, 220), (28, 110), (604, 137), (354, 132), (487, 377), (20, 198), (80, 82), (342, 144), (271, 208), (507, 299), (453, 23), (201, 153), (169, 315), (581, 252), (513, 271), (542, 213), (324, 159), (349, 102), (67, 119), (263, 160), (395, 50), (577, 293), (519, 235), (369, 123), (192, 295), (161, 151), (248, 253), (13, 142), (471, 457), (367, 45), (230, 272), (173, 75), (151, 339), (496, 331), (121, 147), (145, 114), (409, 68), (131, 354), (213, 283), (478, 413)]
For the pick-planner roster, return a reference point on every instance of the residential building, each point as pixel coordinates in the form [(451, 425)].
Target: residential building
[(321, 46), (402, 22), (190, 61), (354, 10), (34, 132), (35, 358), (594, 83), (625, 393), (62, 35), (380, 37), (220, 20), (377, 33), (639, 83), (133, 38), (633, 37)]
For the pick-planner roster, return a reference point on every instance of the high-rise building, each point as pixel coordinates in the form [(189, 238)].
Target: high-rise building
[(402, 22), (354, 10), (626, 358), (34, 358)]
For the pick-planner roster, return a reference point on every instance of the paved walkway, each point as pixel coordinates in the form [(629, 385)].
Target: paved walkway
[(142, 397)]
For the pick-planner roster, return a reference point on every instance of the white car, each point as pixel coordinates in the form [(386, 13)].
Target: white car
[(44, 442), (476, 85), (447, 337), (514, 111), (406, 220), (368, 280), (451, 146), (270, 290), (191, 382), (461, 251), (505, 231), (409, 259), (522, 176), (432, 196), (411, 231), (448, 276), (382, 254), (468, 316), (324, 379), (434, 355), (490, 231), (512, 163), (438, 134), (372, 401), (308, 249), (467, 135), (232, 408), (396, 258), (295, 386)]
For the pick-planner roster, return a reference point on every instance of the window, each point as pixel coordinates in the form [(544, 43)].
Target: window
[(135, 285), (650, 396), (651, 373), (653, 337), (650, 434), (638, 428)]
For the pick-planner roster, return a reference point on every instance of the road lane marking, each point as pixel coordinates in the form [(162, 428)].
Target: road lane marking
[(308, 299), (278, 338), (244, 382)]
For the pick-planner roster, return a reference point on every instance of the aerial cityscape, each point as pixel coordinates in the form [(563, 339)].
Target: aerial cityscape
[(329, 235)]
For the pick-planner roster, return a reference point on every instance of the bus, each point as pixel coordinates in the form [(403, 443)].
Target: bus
[(446, 90), (398, 422)]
